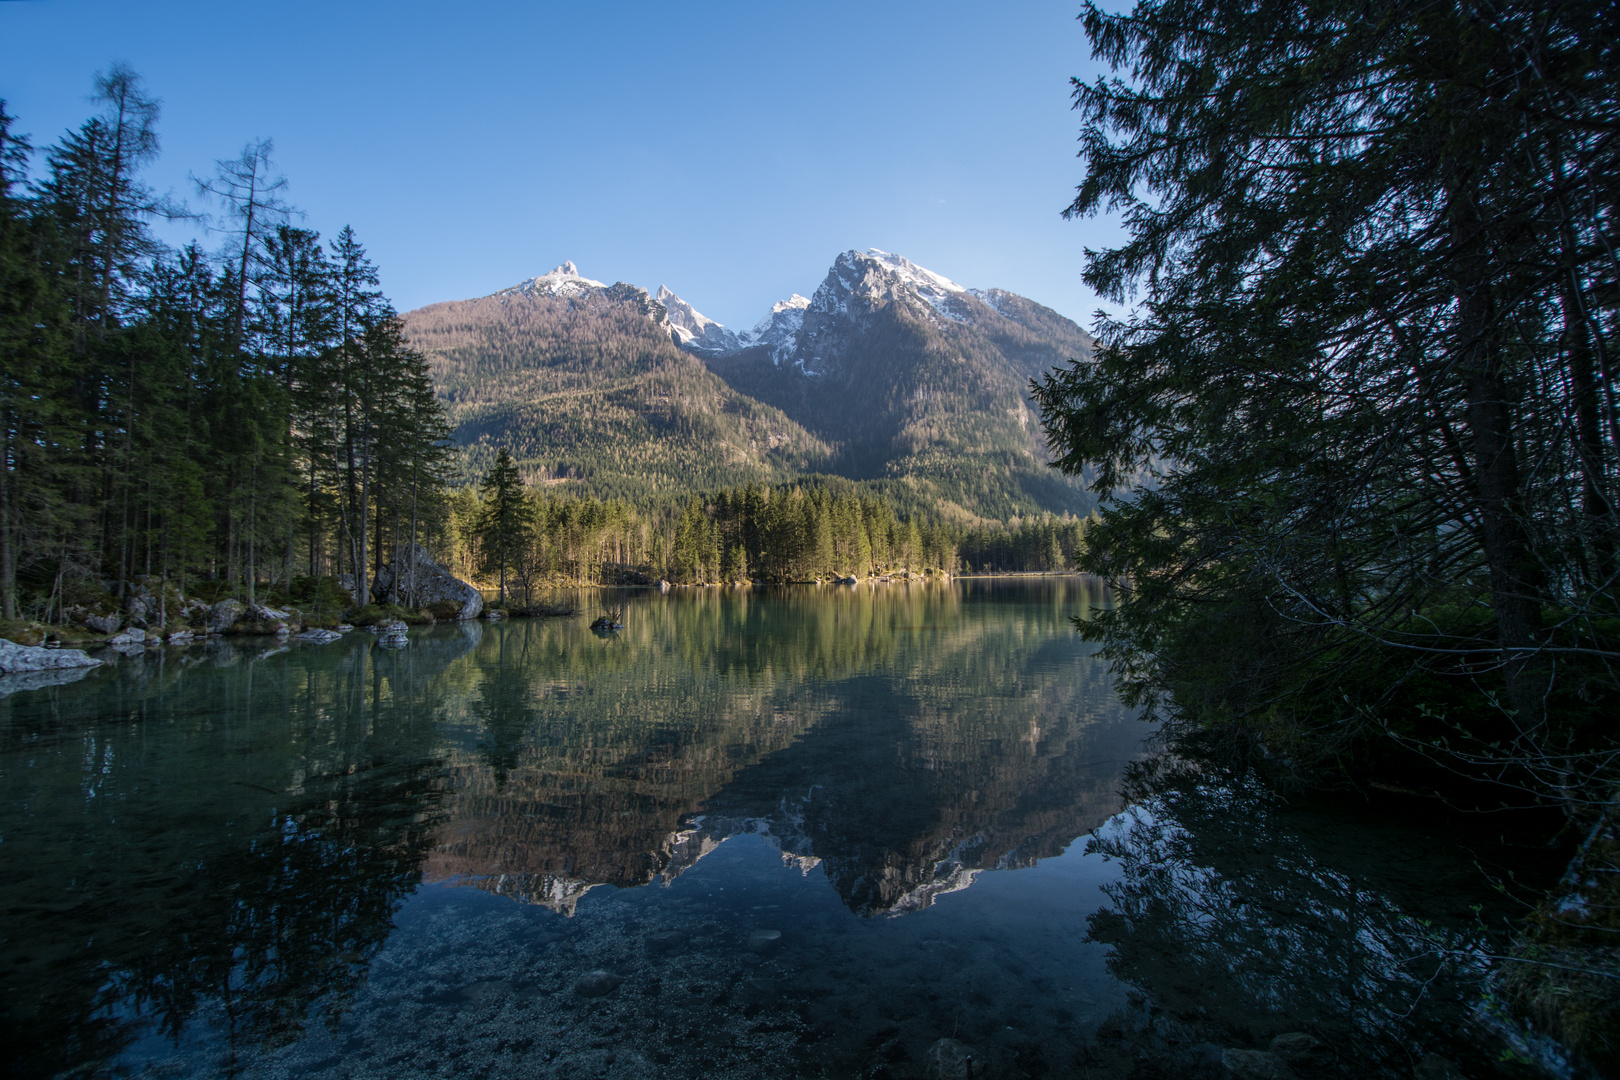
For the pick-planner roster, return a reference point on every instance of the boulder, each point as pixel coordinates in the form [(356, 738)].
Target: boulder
[(104, 624), (141, 606), (131, 636), (181, 636), (319, 637), (258, 619), (224, 615), (16, 658), (414, 580)]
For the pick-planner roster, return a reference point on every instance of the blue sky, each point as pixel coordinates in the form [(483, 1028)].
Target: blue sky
[(728, 150)]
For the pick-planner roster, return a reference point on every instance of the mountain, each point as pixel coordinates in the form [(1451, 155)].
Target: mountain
[(917, 381), (888, 373), (585, 385)]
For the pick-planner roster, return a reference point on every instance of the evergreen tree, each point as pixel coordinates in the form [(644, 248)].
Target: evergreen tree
[(506, 518)]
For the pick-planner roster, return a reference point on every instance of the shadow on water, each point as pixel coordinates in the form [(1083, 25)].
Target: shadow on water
[(799, 831)]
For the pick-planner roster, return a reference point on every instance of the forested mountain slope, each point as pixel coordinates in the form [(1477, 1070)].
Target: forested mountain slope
[(585, 386), (919, 381), (889, 374)]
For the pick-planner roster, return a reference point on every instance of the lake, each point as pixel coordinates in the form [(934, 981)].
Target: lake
[(897, 830)]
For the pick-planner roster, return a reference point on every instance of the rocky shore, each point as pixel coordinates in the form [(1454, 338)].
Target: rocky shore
[(412, 588)]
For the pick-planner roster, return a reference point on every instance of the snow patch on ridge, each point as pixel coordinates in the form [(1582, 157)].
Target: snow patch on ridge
[(692, 329), (779, 330), (564, 281)]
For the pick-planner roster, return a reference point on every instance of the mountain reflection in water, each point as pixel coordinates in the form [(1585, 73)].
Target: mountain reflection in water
[(272, 861), (898, 740)]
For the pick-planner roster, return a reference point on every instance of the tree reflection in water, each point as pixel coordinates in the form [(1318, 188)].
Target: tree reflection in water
[(227, 839), (1243, 917)]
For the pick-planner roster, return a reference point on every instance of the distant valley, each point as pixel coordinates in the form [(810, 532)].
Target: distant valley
[(888, 375)]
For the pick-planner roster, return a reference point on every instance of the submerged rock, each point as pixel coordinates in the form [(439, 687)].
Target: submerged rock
[(1302, 1051), (948, 1059), (391, 634), (1255, 1065), (597, 984), (665, 941), (319, 637), (16, 658), (762, 941)]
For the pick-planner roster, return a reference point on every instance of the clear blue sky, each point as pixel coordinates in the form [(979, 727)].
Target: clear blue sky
[(728, 150)]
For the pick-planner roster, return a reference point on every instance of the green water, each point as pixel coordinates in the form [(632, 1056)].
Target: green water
[(804, 831)]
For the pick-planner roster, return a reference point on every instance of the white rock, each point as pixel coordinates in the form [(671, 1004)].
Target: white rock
[(319, 637), (20, 658)]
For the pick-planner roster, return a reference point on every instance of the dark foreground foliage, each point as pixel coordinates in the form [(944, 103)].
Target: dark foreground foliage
[(1373, 372)]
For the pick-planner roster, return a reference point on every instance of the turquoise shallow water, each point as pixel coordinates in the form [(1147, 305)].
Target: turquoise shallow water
[(800, 831)]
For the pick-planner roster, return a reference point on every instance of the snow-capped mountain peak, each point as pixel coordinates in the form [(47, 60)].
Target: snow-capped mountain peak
[(778, 331), (692, 329), (563, 281), (792, 303), (874, 278)]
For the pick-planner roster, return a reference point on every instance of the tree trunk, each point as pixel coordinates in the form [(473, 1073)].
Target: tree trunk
[(1517, 581)]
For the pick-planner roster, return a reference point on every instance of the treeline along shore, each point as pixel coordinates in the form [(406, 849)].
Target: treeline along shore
[(250, 420)]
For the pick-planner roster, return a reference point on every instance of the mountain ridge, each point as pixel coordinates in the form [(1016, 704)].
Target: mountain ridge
[(888, 372)]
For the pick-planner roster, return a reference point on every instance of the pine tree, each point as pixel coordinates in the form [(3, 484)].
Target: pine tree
[(506, 518)]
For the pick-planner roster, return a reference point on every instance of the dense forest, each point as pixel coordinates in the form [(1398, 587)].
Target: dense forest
[(1373, 371), (521, 539), (250, 416)]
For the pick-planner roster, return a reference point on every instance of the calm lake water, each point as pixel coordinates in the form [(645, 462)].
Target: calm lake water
[(773, 832)]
